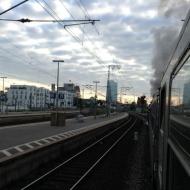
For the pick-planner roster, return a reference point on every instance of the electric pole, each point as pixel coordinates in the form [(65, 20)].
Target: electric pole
[(96, 82)]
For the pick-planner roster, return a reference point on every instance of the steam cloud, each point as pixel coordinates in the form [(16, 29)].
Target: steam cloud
[(174, 8), (165, 38)]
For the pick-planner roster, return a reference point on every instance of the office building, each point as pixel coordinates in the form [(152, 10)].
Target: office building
[(113, 91)]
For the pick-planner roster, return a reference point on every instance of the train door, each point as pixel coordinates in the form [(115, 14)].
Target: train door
[(161, 136)]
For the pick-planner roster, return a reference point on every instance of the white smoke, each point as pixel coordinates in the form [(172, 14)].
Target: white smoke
[(174, 8), (165, 37)]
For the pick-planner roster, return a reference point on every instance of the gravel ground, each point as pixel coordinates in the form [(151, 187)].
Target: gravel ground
[(127, 168), (138, 177)]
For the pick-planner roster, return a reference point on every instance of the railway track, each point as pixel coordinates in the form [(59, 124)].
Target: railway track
[(71, 173)]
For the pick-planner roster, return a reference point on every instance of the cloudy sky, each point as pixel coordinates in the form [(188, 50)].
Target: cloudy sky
[(127, 34)]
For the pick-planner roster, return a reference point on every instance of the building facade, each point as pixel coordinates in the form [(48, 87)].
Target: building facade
[(72, 88), (113, 91), (65, 98), (27, 97)]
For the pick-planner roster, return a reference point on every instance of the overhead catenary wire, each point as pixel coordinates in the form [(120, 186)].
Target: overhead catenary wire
[(67, 31), (84, 10), (78, 39), (76, 21), (54, 15), (13, 7), (87, 37), (76, 24), (61, 1), (95, 56), (81, 6), (25, 61)]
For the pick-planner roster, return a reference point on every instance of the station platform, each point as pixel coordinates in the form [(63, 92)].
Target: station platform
[(18, 138)]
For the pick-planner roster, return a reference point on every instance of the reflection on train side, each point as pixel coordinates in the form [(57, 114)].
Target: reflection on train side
[(180, 95)]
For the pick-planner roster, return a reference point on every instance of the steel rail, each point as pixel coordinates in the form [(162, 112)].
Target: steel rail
[(102, 157), (71, 158)]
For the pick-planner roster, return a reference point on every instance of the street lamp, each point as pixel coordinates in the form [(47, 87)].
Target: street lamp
[(57, 92), (96, 82), (3, 83), (3, 97)]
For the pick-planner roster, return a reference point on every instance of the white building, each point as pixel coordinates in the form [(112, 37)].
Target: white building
[(27, 97), (24, 97), (65, 99)]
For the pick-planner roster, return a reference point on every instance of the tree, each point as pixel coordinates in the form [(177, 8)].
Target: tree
[(133, 106), (142, 103)]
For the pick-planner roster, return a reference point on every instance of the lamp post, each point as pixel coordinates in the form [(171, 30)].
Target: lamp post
[(2, 100), (96, 82), (57, 92), (3, 83)]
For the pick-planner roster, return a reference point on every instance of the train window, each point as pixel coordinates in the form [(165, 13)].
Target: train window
[(179, 130), (180, 92)]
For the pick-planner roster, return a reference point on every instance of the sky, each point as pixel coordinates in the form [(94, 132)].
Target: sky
[(127, 34)]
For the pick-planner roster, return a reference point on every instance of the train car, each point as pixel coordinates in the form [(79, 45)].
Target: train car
[(171, 131), (153, 118)]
